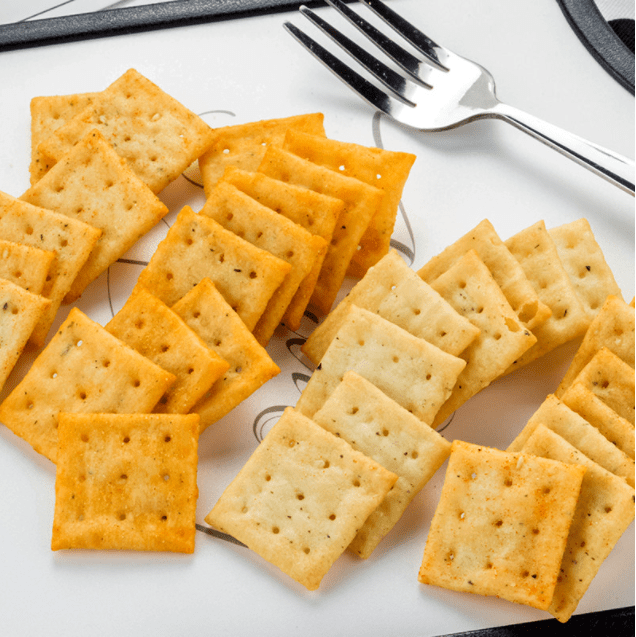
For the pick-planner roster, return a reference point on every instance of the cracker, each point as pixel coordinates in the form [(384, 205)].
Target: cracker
[(26, 266), (126, 482), (48, 113), (503, 266), (501, 525), (70, 239), (300, 498), (588, 405), (272, 232), (472, 291), (613, 327), (243, 145), (558, 417), (584, 261), (360, 204), (208, 314), (156, 135), (384, 169), (539, 258), (604, 510), (94, 185), (195, 247), (313, 211), (378, 427), (411, 371), (83, 369), (20, 312), (154, 330)]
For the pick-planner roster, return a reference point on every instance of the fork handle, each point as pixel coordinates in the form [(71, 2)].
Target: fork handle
[(611, 166)]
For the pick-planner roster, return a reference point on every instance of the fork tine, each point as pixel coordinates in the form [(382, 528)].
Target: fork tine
[(395, 82), (433, 51)]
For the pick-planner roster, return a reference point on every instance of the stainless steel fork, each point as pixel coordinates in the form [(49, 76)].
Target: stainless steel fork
[(443, 90)]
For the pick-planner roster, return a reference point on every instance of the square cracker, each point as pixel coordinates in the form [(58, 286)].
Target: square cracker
[(83, 369), (272, 232), (392, 290), (535, 249), (604, 510), (384, 169), (243, 145), (378, 427), (20, 312), (94, 185), (300, 498), (613, 327), (195, 247), (472, 291), (70, 239), (415, 374), (149, 326), (558, 417), (24, 265), (501, 525), (584, 261), (206, 312), (152, 131), (126, 482), (361, 201), (48, 113), (313, 211), (503, 266)]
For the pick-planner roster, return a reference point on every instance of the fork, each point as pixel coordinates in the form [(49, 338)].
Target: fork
[(443, 90)]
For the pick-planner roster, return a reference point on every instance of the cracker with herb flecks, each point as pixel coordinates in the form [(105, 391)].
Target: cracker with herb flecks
[(126, 482), (24, 265), (378, 427), (300, 498), (157, 135), (195, 247), (208, 314), (70, 239), (149, 326), (83, 369)]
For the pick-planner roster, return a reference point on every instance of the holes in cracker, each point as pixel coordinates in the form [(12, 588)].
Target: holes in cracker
[(508, 482), (84, 437), (165, 348), (267, 477), (136, 383), (169, 276), (253, 274), (354, 411), (275, 530), (167, 438), (498, 523), (81, 394), (326, 464), (29, 230), (164, 518), (300, 496), (356, 483), (306, 550), (121, 517), (126, 440), (106, 363)]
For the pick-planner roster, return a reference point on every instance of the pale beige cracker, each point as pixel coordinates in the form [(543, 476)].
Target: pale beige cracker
[(300, 498), (503, 266), (48, 113), (415, 374), (384, 169), (558, 417), (391, 289), (243, 145), (360, 204), (196, 247), (149, 326), (264, 228), (536, 252), (208, 314), (604, 510), (613, 328), (612, 380), (157, 135), (588, 405), (24, 265), (93, 184), (70, 239), (20, 312), (126, 482), (472, 291), (501, 525), (584, 261), (313, 211), (378, 427), (83, 369)]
